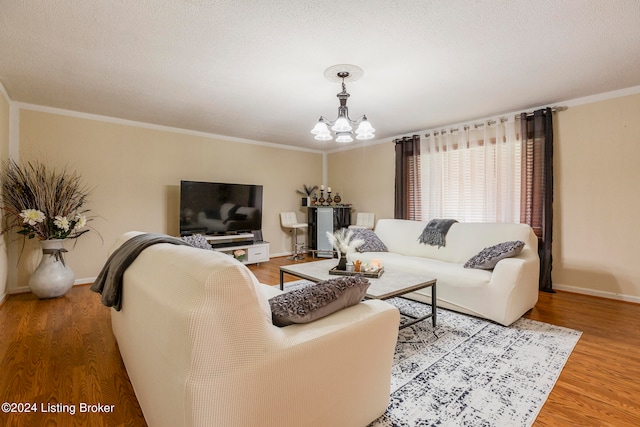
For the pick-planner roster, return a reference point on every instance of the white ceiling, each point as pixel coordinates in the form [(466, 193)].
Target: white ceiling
[(254, 69)]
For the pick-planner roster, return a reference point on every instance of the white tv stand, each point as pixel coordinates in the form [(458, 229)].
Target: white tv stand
[(255, 252)]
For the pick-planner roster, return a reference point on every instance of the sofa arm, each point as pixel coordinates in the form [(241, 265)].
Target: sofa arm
[(514, 283), (357, 317), (333, 371)]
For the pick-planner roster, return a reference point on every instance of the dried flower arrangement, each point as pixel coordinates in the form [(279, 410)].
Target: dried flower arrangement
[(42, 202)]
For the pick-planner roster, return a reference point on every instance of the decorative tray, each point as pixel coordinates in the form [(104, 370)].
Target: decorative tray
[(372, 274)]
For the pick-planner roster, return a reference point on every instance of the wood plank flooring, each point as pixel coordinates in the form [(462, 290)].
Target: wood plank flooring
[(60, 353)]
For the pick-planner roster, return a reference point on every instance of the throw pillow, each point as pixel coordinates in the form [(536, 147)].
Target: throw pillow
[(197, 241), (314, 302), (487, 258), (372, 242)]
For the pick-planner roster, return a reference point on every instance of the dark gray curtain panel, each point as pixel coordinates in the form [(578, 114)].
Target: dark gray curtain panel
[(407, 181), (537, 185)]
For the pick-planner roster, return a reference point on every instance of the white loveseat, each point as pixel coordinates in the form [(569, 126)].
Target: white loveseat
[(197, 340), (503, 294)]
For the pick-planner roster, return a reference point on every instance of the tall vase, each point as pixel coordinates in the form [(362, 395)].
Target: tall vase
[(342, 263), (52, 278)]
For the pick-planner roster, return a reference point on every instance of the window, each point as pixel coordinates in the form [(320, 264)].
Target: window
[(472, 174)]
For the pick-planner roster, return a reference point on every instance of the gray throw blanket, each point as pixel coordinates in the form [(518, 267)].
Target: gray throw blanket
[(109, 281), (436, 231)]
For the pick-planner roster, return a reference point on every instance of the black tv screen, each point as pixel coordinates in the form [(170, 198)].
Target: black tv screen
[(219, 208)]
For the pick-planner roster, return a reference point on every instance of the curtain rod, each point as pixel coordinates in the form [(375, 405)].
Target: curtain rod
[(493, 122)]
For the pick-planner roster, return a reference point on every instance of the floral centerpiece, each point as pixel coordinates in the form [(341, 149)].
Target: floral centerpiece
[(48, 205), (343, 242), (43, 203)]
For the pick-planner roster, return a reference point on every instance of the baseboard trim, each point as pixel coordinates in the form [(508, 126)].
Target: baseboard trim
[(597, 293), (77, 282)]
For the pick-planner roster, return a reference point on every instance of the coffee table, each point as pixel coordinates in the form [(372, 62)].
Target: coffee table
[(389, 285)]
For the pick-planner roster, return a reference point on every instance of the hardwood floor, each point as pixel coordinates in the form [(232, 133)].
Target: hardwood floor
[(60, 353)]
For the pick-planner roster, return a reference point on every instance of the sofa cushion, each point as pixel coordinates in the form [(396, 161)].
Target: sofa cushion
[(314, 302), (372, 242), (488, 257)]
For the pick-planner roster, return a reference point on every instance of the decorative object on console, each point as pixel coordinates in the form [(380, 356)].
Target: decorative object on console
[(343, 125), (46, 204), (343, 242), (337, 199), (435, 232), (314, 302), (487, 258), (239, 254), (307, 191)]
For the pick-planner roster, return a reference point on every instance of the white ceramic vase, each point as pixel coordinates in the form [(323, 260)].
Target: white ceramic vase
[(52, 278)]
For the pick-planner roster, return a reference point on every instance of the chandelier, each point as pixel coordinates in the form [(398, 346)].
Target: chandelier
[(343, 126)]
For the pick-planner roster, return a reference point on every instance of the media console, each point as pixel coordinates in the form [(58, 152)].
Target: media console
[(255, 252)]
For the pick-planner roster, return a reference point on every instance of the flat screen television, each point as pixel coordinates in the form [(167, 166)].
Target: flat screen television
[(217, 208)]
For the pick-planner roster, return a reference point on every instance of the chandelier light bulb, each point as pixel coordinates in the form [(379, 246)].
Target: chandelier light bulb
[(323, 137), (320, 128), (344, 137), (341, 125), (365, 127)]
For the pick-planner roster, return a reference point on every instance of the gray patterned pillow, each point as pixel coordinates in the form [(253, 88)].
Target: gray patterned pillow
[(372, 242), (197, 241), (487, 258), (314, 302)]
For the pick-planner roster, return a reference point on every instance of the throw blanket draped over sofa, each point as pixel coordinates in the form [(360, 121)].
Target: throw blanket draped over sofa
[(502, 294), (109, 281)]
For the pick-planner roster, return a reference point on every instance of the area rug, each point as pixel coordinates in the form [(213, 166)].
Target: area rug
[(471, 372)]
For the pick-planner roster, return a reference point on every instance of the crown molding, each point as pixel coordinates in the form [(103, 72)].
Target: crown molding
[(570, 103), (602, 96), (4, 93), (133, 123)]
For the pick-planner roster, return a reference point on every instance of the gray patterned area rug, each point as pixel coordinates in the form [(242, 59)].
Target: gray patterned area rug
[(471, 372)]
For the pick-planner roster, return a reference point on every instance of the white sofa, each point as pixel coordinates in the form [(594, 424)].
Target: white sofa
[(197, 340), (503, 294)]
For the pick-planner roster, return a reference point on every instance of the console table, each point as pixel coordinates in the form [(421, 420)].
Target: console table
[(322, 219), (255, 252)]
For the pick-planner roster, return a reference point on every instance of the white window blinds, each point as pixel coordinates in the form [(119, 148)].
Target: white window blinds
[(472, 174)]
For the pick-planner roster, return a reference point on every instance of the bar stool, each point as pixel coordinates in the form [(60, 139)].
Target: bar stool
[(364, 220), (289, 220)]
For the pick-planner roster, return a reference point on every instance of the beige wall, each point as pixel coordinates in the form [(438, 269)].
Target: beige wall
[(4, 156), (597, 205), (135, 174), (365, 177), (597, 201)]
